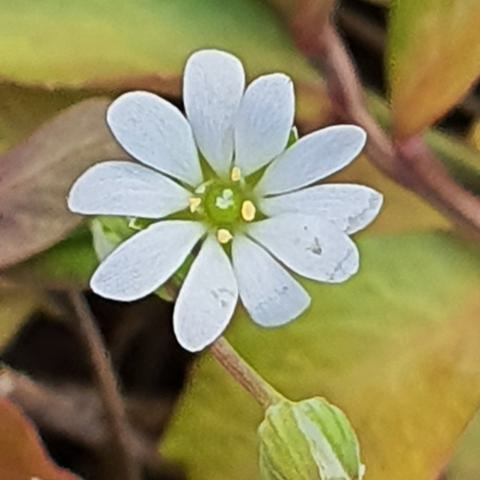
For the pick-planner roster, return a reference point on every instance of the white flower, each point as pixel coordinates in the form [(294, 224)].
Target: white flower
[(251, 228)]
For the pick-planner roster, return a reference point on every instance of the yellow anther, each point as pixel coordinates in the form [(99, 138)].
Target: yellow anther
[(248, 210), (236, 174), (224, 235), (194, 203)]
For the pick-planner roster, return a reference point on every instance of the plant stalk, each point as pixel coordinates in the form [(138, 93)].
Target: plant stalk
[(244, 374), (108, 388)]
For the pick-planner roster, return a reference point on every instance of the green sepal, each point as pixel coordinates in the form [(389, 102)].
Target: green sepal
[(308, 440), (293, 137)]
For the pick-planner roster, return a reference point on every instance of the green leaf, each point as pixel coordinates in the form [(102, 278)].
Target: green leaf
[(16, 305), (131, 44), (397, 348), (70, 263), (433, 59), (465, 464), (37, 174)]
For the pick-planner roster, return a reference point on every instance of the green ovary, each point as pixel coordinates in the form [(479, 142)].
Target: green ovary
[(223, 203)]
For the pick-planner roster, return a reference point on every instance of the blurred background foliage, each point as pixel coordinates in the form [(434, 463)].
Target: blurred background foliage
[(397, 348)]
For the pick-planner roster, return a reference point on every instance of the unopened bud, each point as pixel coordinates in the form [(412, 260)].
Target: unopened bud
[(308, 440)]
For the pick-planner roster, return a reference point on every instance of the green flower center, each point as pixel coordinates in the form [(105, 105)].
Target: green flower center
[(223, 203)]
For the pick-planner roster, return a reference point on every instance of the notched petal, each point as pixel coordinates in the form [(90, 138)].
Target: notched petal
[(126, 189), (207, 298), (269, 293), (145, 261), (350, 207), (156, 133), (310, 246), (213, 86), (314, 157)]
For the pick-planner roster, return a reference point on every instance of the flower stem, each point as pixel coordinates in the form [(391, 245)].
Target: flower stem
[(244, 374), (107, 386)]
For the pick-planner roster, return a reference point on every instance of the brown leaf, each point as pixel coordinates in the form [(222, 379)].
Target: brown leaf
[(433, 59), (36, 175), (22, 456)]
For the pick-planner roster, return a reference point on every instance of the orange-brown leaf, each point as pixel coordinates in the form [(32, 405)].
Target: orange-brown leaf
[(22, 455)]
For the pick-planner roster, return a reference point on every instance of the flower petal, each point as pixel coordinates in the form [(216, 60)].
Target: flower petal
[(310, 246), (125, 188), (213, 86), (264, 121), (269, 293), (157, 134), (349, 207), (144, 262), (312, 158), (207, 299)]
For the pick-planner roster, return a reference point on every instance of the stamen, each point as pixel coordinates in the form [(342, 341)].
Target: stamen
[(194, 203), (201, 189), (134, 224), (224, 235), (236, 174), (248, 211)]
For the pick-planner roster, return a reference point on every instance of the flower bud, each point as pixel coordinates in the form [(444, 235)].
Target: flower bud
[(108, 233), (308, 440)]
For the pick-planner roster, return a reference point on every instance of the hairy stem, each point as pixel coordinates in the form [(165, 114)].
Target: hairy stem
[(108, 388), (243, 374)]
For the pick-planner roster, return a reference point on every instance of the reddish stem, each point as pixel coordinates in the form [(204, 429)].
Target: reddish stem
[(408, 162)]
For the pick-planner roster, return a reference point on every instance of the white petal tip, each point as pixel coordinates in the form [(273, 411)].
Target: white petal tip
[(192, 346), (119, 102), (345, 269), (292, 317), (75, 198), (369, 214), (100, 289), (357, 130), (211, 54), (281, 78), (189, 340), (353, 135), (72, 202), (207, 299), (376, 202), (76, 201)]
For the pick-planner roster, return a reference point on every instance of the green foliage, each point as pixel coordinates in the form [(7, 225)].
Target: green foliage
[(16, 304), (465, 463), (142, 44), (69, 264), (397, 348)]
